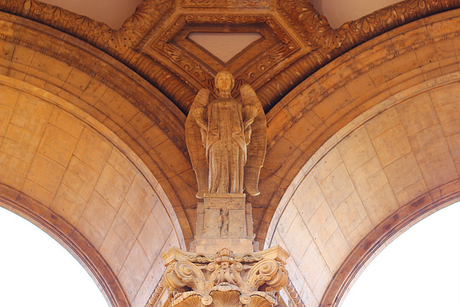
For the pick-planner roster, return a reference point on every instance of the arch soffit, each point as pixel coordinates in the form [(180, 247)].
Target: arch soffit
[(286, 155), (105, 132), (112, 94), (391, 184), (386, 68), (96, 189), (425, 111), (70, 238), (379, 238)]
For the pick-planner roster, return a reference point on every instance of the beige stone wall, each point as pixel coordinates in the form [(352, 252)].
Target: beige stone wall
[(398, 91), (382, 68), (405, 147), (125, 103), (81, 171)]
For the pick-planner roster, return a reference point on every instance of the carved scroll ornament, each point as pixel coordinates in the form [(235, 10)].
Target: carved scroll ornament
[(225, 278)]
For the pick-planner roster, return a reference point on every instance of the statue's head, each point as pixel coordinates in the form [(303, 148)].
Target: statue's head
[(224, 81)]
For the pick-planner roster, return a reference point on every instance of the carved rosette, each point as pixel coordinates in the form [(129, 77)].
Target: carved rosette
[(225, 279)]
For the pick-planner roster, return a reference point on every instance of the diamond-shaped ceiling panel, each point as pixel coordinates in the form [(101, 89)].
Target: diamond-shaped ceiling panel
[(223, 45), (202, 49)]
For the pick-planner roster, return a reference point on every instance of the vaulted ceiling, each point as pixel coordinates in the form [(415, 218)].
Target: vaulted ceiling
[(170, 44), (115, 12), (92, 116), (295, 40)]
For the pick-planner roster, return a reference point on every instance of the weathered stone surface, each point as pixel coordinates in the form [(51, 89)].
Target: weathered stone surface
[(225, 278), (46, 74), (224, 221), (226, 139)]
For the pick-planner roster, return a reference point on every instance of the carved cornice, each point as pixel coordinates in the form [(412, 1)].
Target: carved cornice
[(145, 18), (309, 24), (317, 32), (225, 3), (391, 17), (179, 76), (329, 43)]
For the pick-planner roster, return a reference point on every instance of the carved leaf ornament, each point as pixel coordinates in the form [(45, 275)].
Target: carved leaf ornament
[(224, 280)]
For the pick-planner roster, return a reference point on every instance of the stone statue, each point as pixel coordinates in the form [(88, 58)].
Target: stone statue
[(222, 222), (226, 139)]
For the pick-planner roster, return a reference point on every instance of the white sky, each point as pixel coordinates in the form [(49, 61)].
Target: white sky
[(37, 271), (420, 268)]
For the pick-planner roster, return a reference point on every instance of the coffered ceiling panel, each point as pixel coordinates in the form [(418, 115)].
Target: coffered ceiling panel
[(224, 46)]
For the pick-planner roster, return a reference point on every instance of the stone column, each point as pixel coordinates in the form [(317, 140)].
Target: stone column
[(223, 270), (226, 139), (225, 279)]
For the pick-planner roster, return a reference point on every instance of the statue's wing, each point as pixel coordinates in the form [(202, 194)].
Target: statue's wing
[(194, 134), (258, 141)]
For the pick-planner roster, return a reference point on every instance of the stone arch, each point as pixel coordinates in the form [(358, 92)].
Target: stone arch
[(66, 68), (385, 68), (385, 169), (70, 238), (379, 238), (90, 185)]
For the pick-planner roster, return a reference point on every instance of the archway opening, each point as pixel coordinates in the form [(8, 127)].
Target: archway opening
[(37, 270), (420, 268)]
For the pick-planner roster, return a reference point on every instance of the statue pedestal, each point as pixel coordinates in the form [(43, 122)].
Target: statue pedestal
[(224, 221), (211, 245)]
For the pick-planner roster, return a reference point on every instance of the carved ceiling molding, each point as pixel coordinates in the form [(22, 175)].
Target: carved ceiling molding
[(328, 43), (202, 70), (179, 75), (226, 3), (316, 30), (147, 15)]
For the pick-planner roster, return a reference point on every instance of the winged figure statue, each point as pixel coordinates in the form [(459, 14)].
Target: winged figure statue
[(226, 139)]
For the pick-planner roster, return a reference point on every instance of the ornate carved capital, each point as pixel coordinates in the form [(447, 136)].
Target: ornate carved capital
[(225, 279)]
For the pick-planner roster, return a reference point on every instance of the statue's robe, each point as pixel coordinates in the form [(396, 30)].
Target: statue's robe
[(226, 146), (226, 140)]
